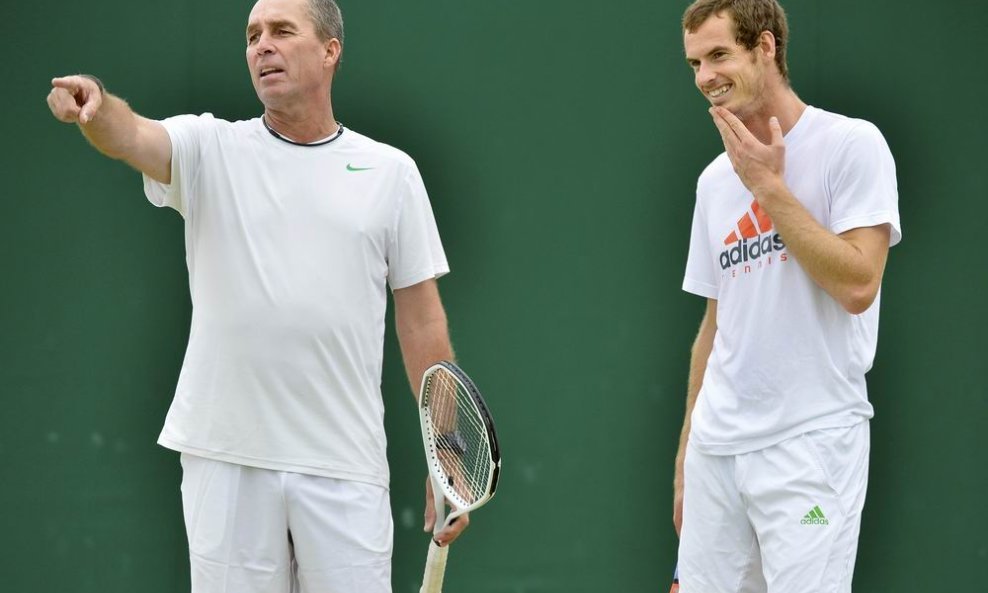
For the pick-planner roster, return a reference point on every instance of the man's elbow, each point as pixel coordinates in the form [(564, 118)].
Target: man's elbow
[(428, 324), (858, 299)]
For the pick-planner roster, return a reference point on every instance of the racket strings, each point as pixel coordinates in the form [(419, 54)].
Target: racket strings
[(462, 446)]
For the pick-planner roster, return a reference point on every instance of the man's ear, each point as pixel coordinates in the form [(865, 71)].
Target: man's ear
[(334, 51), (766, 44)]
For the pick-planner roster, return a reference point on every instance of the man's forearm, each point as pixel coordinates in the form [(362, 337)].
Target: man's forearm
[(700, 354), (423, 346), (677, 482), (698, 365), (848, 267), (423, 334), (113, 128), (839, 266)]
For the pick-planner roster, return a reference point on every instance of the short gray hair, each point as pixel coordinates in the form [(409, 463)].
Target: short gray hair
[(327, 18)]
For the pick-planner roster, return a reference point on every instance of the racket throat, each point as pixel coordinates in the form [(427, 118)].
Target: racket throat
[(439, 504), (442, 519)]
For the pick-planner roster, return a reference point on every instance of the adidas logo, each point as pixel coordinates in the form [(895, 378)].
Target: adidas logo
[(746, 225), (749, 244), (814, 517)]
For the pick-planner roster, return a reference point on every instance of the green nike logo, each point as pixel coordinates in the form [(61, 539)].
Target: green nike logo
[(350, 167)]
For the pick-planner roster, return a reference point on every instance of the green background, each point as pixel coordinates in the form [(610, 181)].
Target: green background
[(560, 142)]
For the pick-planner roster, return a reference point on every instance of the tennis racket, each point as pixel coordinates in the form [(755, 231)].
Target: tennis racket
[(462, 453)]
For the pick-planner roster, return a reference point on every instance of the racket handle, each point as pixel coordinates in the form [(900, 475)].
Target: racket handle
[(435, 569)]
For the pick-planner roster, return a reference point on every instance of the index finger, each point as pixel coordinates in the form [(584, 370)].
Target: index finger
[(727, 133), (453, 530), (732, 121), (69, 83)]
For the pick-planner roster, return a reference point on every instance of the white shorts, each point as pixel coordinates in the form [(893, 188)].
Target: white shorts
[(254, 530), (779, 520)]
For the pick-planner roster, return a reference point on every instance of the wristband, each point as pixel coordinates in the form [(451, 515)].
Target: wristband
[(99, 83)]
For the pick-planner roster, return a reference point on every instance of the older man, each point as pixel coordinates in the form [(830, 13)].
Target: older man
[(294, 227)]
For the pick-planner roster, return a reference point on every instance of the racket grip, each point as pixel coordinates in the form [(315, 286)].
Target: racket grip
[(435, 568)]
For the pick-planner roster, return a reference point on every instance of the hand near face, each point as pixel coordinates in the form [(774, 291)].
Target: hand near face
[(760, 166)]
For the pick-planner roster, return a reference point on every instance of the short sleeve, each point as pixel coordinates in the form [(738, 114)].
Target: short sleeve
[(862, 185), (415, 252), (185, 132), (701, 276)]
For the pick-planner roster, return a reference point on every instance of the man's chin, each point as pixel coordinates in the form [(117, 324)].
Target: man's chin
[(738, 111), (724, 102), (271, 99)]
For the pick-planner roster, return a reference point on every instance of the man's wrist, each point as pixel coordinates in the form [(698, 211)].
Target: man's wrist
[(770, 191)]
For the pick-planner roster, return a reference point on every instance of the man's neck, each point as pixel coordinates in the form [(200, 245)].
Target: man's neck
[(781, 103), (303, 126)]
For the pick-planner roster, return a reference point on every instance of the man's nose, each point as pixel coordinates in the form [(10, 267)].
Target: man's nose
[(264, 45), (704, 75)]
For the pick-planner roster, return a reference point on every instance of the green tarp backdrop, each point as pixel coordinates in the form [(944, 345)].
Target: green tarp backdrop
[(560, 143)]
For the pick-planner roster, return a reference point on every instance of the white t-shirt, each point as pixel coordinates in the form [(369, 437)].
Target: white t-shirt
[(290, 249), (787, 358)]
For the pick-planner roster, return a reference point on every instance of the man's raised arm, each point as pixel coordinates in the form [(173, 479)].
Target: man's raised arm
[(111, 125)]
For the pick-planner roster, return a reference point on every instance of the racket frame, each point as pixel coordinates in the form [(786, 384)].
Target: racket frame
[(441, 491), (435, 566)]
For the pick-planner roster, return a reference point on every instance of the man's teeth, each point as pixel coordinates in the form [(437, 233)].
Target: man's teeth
[(720, 90)]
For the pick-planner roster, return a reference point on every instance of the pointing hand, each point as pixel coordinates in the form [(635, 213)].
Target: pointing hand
[(75, 99)]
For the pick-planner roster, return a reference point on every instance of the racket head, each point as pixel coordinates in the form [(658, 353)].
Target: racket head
[(461, 445)]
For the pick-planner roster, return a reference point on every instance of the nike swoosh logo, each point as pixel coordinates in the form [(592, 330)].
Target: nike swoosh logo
[(350, 167)]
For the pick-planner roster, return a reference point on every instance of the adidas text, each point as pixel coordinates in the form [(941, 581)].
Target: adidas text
[(815, 517), (744, 251)]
